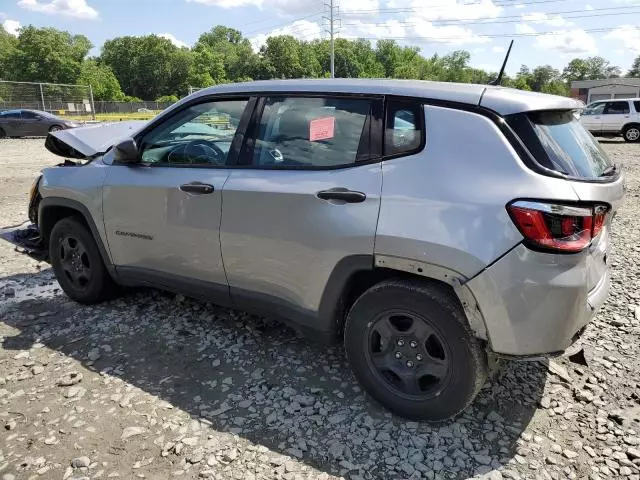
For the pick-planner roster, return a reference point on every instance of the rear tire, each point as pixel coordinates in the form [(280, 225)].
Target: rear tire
[(2, 133), (631, 134), (77, 263), (410, 347)]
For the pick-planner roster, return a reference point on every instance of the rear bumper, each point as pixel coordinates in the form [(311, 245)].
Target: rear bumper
[(26, 238), (536, 303)]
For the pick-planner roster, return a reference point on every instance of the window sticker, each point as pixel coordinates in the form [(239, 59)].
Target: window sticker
[(321, 128)]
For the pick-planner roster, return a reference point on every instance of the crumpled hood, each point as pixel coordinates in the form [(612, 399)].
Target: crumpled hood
[(87, 142)]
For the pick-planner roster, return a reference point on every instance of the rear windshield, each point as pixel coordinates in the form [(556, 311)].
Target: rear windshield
[(559, 142)]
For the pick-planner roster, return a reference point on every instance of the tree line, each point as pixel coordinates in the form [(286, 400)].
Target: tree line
[(150, 67)]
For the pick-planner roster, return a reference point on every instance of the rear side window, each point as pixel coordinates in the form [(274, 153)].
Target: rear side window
[(313, 132), (559, 142), (404, 127), (637, 105), (616, 108), (10, 114)]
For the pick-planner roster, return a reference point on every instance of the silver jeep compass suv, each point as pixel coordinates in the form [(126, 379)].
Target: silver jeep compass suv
[(431, 226)]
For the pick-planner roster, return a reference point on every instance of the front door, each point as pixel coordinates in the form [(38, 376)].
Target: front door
[(592, 117), (615, 115), (162, 217), (307, 199)]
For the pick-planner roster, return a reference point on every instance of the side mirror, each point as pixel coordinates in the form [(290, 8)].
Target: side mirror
[(126, 152)]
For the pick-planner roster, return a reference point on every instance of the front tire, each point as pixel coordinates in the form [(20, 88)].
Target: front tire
[(632, 134), (55, 128), (410, 347), (77, 263)]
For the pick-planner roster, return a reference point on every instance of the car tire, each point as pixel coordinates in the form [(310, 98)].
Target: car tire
[(77, 262), (411, 348), (55, 128), (3, 134), (631, 133)]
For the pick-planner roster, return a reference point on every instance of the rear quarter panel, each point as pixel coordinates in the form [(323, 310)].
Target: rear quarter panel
[(446, 205)]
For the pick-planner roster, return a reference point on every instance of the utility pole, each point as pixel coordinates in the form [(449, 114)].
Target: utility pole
[(334, 20), (333, 47)]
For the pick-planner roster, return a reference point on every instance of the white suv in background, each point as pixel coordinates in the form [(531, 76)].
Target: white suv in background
[(613, 118)]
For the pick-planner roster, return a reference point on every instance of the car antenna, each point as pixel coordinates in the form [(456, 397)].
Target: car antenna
[(498, 79)]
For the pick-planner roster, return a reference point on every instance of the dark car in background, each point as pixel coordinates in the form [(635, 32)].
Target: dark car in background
[(31, 123)]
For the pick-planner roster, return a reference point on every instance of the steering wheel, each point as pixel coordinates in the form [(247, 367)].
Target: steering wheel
[(204, 151)]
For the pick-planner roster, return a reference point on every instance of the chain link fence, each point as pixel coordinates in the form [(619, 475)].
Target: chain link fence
[(73, 101)]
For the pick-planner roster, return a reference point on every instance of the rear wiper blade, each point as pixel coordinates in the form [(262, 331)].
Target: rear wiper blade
[(610, 170)]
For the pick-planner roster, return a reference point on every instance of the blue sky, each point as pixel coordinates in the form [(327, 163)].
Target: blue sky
[(545, 31)]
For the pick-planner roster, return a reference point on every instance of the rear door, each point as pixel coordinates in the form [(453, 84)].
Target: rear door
[(304, 199), (615, 115), (162, 217)]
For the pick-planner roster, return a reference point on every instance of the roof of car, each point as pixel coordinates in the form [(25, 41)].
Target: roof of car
[(502, 100), (634, 99)]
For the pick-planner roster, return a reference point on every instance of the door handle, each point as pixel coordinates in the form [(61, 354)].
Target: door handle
[(197, 187), (343, 194)]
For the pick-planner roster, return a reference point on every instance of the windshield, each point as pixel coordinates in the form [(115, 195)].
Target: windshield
[(559, 142)]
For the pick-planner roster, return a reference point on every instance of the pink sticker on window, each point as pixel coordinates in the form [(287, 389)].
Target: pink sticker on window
[(321, 128)]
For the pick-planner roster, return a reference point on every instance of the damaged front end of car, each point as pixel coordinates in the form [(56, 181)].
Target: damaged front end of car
[(83, 145)]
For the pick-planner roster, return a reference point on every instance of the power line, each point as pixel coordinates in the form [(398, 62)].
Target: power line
[(281, 25), (492, 20), (440, 39), (497, 3)]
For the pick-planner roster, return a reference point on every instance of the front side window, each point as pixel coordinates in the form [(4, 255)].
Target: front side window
[(199, 135), (317, 132), (404, 127), (594, 109), (30, 115), (616, 108)]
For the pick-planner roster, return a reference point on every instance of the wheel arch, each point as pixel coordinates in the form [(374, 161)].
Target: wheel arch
[(354, 275), (53, 209), (629, 125)]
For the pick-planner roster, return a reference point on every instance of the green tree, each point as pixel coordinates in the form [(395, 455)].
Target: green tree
[(102, 80), (8, 45), (388, 54), (237, 56), (591, 68), (168, 98), (149, 66), (634, 71), (48, 55)]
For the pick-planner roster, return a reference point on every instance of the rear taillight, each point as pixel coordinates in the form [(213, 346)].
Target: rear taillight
[(552, 226)]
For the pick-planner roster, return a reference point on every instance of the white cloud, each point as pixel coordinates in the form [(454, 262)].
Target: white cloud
[(12, 27), (575, 41), (454, 10), (519, 6), (543, 18), (498, 49), (450, 34), (588, 7), (301, 29), (626, 35), (68, 8), (172, 38), (478, 50), (523, 28), (294, 7), (228, 3)]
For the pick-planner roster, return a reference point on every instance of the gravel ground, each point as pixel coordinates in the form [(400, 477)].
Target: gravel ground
[(154, 385)]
